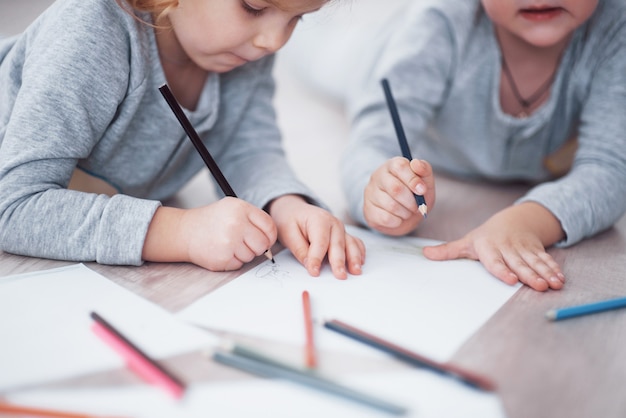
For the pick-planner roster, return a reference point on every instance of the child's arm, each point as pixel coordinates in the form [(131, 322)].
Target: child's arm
[(219, 237), (389, 204), (511, 245), (312, 233)]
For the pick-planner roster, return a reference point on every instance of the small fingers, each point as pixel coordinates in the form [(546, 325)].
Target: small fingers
[(263, 223), (541, 267), (384, 213), (319, 245), (402, 169), (355, 253), (425, 179), (337, 251), (536, 270), (449, 251)]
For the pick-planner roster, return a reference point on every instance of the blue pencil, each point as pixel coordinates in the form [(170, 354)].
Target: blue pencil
[(404, 146), (572, 311)]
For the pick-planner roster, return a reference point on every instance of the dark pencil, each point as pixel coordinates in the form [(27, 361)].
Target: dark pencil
[(202, 150), (404, 146), (410, 357)]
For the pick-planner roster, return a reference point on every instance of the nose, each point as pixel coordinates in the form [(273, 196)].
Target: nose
[(271, 39)]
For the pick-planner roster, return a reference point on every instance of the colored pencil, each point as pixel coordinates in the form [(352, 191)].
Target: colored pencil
[(136, 359), (586, 309), (247, 361), (20, 410), (447, 369), (311, 358), (202, 150), (404, 146)]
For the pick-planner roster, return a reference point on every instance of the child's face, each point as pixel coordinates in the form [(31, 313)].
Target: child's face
[(541, 23), (219, 35)]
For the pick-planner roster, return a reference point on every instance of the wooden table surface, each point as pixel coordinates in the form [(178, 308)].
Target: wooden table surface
[(572, 368)]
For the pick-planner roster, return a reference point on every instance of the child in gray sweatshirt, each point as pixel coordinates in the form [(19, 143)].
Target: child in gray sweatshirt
[(80, 94)]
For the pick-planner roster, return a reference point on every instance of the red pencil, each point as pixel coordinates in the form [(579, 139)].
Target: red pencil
[(311, 358), (136, 359), (21, 410)]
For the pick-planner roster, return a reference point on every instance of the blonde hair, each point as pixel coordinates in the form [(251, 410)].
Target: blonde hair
[(157, 8)]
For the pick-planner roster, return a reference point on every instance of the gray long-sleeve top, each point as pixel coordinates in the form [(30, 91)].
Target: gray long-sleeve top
[(80, 90), (443, 63)]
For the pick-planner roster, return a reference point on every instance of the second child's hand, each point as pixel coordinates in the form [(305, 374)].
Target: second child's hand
[(511, 245), (389, 204)]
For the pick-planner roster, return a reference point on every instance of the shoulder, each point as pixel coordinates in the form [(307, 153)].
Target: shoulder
[(458, 15), (82, 47), (90, 32), (85, 14), (602, 38), (450, 22), (86, 25), (608, 23)]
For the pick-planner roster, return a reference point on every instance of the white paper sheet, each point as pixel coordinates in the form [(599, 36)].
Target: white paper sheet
[(424, 394), (45, 326), (427, 306)]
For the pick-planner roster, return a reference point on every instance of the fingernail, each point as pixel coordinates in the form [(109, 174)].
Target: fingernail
[(420, 189), (555, 280), (561, 277)]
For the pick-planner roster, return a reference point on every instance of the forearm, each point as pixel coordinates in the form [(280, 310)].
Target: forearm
[(284, 205), (538, 220), (163, 242)]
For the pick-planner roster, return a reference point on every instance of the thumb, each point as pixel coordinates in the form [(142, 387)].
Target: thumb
[(448, 251)]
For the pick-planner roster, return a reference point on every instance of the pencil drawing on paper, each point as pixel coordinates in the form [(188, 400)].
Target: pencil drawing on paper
[(272, 272)]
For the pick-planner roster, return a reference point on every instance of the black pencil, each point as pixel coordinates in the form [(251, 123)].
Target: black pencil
[(447, 369), (404, 146), (199, 145)]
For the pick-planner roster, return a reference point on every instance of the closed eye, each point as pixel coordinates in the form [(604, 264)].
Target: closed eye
[(251, 10)]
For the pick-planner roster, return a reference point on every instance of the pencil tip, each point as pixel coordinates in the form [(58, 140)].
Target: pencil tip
[(551, 315), (423, 210)]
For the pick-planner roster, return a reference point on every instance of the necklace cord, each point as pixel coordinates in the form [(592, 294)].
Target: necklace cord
[(528, 102)]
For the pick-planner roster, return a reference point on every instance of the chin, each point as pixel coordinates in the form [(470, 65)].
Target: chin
[(222, 68), (545, 38)]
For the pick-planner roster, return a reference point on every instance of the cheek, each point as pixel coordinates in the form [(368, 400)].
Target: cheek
[(584, 9), (498, 11)]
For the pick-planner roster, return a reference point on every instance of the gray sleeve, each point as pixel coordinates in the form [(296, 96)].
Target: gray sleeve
[(421, 49), (74, 75), (592, 196)]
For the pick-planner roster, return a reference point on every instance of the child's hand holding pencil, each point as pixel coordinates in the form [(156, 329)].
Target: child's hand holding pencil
[(395, 196)]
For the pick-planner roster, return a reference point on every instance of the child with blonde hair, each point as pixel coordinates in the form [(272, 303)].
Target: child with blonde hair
[(80, 95)]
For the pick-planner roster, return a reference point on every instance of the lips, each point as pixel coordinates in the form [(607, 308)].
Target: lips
[(541, 13)]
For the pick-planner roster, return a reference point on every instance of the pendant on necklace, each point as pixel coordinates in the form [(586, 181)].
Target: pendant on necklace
[(522, 115)]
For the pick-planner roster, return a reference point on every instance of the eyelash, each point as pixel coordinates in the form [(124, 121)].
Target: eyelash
[(251, 10)]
